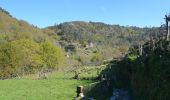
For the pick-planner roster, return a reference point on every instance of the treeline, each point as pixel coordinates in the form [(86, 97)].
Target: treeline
[(6, 12), (103, 34)]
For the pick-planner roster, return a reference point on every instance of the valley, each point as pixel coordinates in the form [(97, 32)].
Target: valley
[(111, 62)]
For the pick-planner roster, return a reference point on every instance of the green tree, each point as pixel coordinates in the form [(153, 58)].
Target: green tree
[(29, 53), (52, 56), (9, 60)]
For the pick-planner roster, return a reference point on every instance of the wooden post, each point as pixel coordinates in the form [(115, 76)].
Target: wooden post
[(140, 49), (80, 91), (152, 43), (167, 27)]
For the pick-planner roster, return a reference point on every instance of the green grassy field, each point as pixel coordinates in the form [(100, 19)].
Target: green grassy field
[(56, 87)]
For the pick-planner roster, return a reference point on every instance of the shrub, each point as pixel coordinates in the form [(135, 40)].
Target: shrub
[(52, 56)]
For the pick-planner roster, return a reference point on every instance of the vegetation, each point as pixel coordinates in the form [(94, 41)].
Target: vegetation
[(91, 39), (146, 76), (29, 56), (102, 34), (25, 49)]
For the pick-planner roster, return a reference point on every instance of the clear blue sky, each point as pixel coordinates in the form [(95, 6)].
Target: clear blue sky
[(124, 12)]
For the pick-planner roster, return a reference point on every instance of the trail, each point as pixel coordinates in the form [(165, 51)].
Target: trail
[(120, 94)]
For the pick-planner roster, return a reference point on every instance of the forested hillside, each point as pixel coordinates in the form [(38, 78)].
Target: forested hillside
[(26, 49), (103, 34), (95, 41)]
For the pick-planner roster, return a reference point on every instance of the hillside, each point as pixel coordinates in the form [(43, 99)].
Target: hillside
[(24, 48), (19, 28), (102, 34), (91, 39)]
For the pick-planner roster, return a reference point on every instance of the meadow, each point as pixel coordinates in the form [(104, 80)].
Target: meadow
[(58, 86)]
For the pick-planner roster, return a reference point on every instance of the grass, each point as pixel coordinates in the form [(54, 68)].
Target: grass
[(132, 57), (58, 87)]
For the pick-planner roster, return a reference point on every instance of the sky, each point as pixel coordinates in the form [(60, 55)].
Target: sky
[(43, 13)]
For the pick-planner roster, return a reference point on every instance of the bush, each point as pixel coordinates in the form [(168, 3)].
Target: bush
[(96, 58), (52, 56), (26, 56)]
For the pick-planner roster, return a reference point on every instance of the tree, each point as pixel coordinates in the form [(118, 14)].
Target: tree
[(29, 53), (52, 56)]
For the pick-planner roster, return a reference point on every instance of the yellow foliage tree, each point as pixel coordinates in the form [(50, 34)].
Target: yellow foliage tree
[(52, 56)]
